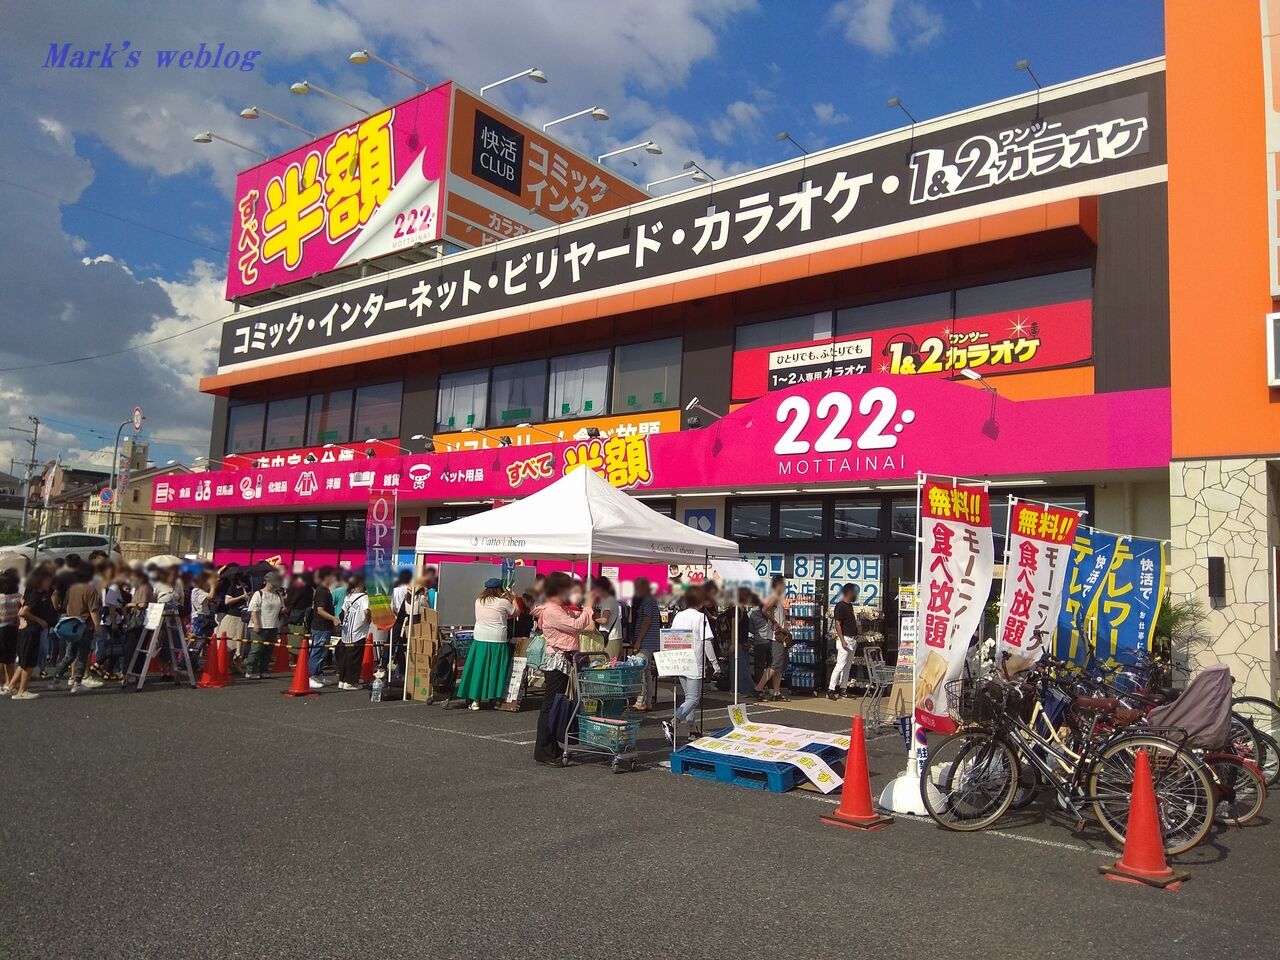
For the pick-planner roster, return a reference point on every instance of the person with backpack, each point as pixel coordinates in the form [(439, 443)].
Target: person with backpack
[(846, 629), (357, 621), (266, 611), (81, 609)]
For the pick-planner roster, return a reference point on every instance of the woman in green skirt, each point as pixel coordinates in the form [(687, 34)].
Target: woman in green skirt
[(488, 664)]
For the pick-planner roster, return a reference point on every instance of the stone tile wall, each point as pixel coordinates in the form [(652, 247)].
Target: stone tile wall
[(1221, 508)]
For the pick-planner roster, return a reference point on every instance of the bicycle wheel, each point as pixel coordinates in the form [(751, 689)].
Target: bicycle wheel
[(1265, 716), (1183, 787), (969, 781), (1238, 786)]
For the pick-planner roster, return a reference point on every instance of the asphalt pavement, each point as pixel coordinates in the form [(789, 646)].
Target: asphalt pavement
[(183, 823)]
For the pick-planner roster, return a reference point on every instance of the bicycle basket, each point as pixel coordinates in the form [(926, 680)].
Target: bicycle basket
[(982, 701)]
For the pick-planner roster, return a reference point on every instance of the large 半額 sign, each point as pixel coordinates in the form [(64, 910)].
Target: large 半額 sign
[(1081, 137), (443, 164)]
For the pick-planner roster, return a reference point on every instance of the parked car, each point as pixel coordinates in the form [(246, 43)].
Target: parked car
[(54, 545)]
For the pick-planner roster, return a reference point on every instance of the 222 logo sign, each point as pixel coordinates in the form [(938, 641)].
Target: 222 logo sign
[(836, 410)]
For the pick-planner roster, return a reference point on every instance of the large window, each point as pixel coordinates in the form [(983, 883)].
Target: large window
[(646, 376), (775, 333), (244, 428), (286, 423), (579, 385), (800, 519), (1020, 294), (751, 521), (518, 393), (463, 398), (377, 412), (857, 519), (894, 313), (283, 531), (330, 418)]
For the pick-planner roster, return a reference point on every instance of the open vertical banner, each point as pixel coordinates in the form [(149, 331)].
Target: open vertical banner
[(1091, 557), (380, 552), (957, 562), (1115, 589), (1037, 558)]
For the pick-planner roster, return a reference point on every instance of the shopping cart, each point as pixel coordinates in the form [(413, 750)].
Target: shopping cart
[(596, 725)]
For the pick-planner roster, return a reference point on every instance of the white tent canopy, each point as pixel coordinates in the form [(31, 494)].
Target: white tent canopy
[(579, 516)]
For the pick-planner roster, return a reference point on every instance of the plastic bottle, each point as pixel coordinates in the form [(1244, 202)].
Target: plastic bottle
[(375, 694)]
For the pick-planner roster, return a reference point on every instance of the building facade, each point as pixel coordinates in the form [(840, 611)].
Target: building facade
[(773, 357)]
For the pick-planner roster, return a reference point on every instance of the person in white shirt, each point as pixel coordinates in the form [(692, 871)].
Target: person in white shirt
[(693, 619), (608, 617), (356, 624), (266, 610)]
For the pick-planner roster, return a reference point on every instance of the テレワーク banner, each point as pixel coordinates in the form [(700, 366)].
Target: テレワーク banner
[(1035, 569), (366, 190), (1130, 600), (957, 561), (1091, 558), (380, 555), (1028, 339)]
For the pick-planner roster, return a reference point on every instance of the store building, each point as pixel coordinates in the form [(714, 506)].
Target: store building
[(826, 306)]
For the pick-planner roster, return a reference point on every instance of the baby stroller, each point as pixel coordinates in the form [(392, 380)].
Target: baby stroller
[(1203, 712), (444, 675)]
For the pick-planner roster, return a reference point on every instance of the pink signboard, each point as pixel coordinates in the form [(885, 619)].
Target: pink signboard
[(845, 430), (364, 191)]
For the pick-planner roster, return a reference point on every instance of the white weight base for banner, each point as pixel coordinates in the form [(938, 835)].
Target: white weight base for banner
[(902, 793)]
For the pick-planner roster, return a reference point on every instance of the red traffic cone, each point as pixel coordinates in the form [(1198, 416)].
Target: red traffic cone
[(280, 659), (366, 665), (209, 676), (224, 661), (301, 686), (1143, 859), (855, 810)]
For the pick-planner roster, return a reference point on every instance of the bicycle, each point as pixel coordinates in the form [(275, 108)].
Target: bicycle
[(971, 778)]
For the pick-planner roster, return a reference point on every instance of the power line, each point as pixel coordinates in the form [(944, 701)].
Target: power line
[(111, 353), (113, 216)]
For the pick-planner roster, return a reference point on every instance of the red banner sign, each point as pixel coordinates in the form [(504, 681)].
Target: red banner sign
[(1030, 339)]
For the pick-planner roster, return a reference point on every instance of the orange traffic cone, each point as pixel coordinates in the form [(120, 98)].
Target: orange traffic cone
[(366, 665), (1143, 859), (280, 659), (855, 810), (224, 661), (301, 686), (209, 676)]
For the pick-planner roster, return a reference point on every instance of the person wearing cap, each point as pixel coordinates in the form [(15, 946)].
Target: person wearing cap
[(266, 608), (488, 666)]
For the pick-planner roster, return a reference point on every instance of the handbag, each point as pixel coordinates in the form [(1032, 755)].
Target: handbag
[(536, 652), (591, 641)]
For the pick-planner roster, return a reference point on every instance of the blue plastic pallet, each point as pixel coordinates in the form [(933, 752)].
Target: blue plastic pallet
[(746, 772)]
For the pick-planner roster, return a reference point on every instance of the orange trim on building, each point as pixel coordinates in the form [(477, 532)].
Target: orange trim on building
[(1219, 272), (1080, 212)]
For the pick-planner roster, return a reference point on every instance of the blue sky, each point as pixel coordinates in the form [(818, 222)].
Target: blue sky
[(712, 80)]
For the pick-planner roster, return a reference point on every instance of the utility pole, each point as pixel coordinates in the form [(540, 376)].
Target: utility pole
[(34, 433)]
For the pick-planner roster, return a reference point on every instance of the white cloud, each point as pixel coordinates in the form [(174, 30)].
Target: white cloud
[(75, 298), (881, 26), (825, 114)]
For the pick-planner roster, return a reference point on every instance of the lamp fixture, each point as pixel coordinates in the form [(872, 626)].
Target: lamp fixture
[(253, 113), (696, 404), (648, 146), (694, 175), (595, 113), (533, 73), (784, 136), (209, 137), (361, 57), (893, 102), (304, 87), (698, 169)]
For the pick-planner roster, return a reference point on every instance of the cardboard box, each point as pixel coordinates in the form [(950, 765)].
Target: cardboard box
[(420, 653)]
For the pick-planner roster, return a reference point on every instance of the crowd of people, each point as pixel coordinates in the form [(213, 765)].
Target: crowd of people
[(79, 623)]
